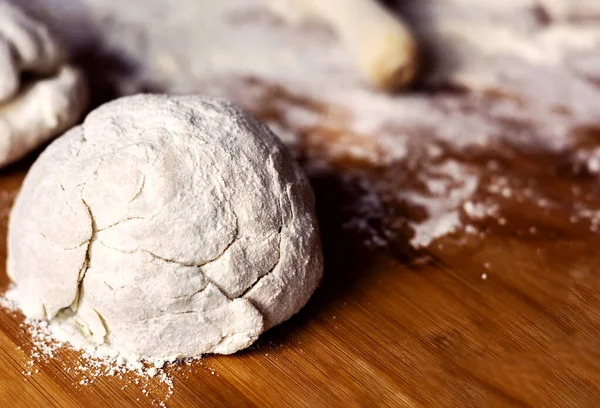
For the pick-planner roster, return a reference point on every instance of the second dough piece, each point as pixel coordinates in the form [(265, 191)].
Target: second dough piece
[(52, 100)]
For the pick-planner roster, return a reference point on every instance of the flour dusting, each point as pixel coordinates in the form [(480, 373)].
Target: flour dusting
[(510, 82), (156, 382), (487, 86)]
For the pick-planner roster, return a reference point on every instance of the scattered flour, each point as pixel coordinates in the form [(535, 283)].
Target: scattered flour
[(154, 381), (488, 83), (449, 187)]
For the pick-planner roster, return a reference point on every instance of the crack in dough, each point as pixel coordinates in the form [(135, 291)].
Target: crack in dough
[(178, 263), (122, 221), (87, 261), (139, 192), (200, 230), (253, 284), (64, 249)]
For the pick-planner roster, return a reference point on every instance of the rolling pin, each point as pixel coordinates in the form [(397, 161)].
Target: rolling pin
[(383, 47)]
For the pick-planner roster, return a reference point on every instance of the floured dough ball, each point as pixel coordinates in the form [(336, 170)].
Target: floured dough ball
[(176, 226), (51, 101)]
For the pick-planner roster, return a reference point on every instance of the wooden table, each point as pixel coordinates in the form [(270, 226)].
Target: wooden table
[(394, 326)]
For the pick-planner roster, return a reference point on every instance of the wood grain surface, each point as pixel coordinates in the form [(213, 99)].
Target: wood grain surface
[(392, 326)]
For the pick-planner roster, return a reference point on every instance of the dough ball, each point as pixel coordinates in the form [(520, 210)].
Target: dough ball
[(165, 227), (33, 112)]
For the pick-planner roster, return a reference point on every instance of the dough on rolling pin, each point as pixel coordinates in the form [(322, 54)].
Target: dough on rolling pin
[(32, 113), (383, 46), (178, 226)]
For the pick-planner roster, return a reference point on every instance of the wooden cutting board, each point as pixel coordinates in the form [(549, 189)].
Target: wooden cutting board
[(390, 326)]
